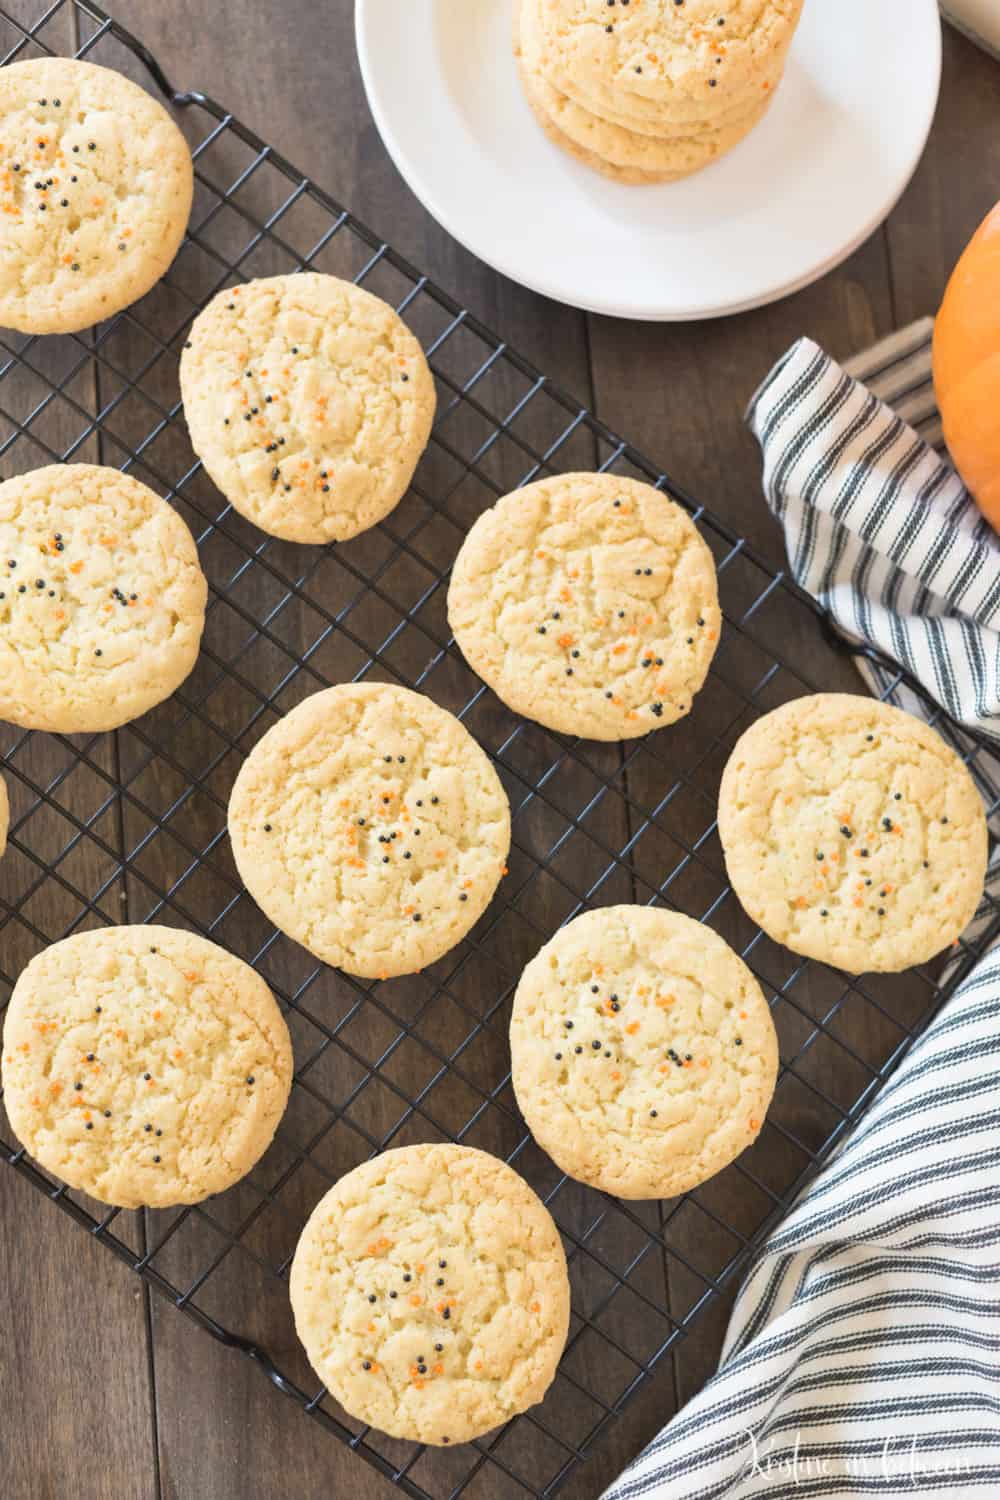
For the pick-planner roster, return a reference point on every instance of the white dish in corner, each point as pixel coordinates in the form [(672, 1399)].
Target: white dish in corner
[(804, 190)]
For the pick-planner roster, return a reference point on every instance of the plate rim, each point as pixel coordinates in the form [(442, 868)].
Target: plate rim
[(408, 169)]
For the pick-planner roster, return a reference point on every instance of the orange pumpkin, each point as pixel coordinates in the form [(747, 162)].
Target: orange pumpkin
[(967, 366)]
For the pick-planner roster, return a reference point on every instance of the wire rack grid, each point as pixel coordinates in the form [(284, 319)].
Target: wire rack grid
[(131, 826)]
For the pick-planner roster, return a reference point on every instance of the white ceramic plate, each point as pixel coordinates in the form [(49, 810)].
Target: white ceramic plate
[(811, 183)]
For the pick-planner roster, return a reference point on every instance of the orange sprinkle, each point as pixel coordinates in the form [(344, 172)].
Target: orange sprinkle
[(505, 871), (539, 554), (564, 640), (632, 1028), (743, 1015), (421, 1270), (536, 1307), (439, 1368), (416, 1300), (754, 1123), (616, 1075), (479, 1364)]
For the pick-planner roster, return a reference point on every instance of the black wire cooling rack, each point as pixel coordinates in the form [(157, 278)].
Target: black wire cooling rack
[(131, 826)]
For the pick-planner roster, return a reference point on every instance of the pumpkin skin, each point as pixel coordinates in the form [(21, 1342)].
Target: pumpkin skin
[(967, 366)]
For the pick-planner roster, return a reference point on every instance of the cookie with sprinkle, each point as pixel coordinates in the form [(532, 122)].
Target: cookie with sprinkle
[(625, 155), (588, 603), (309, 402), (430, 1291), (643, 1053), (664, 67), (96, 184), (853, 834), (144, 1065), (371, 828), (102, 599)]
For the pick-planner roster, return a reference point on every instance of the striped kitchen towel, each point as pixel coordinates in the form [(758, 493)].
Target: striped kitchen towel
[(863, 1352)]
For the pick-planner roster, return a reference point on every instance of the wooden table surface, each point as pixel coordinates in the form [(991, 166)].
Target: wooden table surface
[(104, 1391)]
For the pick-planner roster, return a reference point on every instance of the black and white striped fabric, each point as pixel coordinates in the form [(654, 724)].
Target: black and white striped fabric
[(863, 1353)]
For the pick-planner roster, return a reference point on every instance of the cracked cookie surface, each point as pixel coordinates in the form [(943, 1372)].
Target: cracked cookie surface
[(643, 1053), (309, 402), (852, 833), (144, 1065), (95, 185), (588, 603), (658, 67), (102, 599), (370, 827), (430, 1291), (617, 152)]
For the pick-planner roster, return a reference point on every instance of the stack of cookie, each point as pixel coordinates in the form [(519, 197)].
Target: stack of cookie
[(651, 90)]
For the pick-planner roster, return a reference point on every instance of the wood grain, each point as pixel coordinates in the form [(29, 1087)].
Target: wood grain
[(287, 67)]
